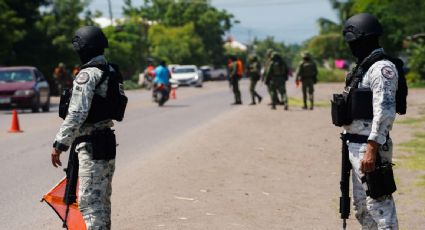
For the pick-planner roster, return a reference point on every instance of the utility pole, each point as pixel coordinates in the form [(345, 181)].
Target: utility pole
[(110, 12)]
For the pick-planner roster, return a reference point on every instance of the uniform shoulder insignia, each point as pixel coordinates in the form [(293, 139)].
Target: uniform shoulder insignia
[(82, 78), (387, 72)]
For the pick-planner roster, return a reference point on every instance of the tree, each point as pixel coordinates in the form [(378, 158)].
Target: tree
[(328, 46), (17, 19), (398, 18), (9, 21), (209, 23), (128, 45), (287, 52), (177, 44)]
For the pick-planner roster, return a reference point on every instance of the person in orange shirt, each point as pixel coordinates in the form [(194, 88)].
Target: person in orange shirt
[(234, 76)]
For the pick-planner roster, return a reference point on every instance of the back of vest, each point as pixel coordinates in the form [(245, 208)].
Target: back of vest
[(114, 105), (308, 70), (102, 108)]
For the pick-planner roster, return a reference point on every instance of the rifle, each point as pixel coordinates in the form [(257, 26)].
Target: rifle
[(344, 200), (70, 196)]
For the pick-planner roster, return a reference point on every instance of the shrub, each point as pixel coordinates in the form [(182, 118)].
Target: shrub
[(331, 75), (129, 84)]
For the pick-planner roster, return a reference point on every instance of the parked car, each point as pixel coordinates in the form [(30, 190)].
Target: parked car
[(187, 75), (212, 74), (24, 87)]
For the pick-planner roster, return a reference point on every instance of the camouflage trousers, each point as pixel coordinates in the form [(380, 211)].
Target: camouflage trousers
[(308, 92), (254, 93), (95, 188), (371, 213), (235, 85), (278, 88)]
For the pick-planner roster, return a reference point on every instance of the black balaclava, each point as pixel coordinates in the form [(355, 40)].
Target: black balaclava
[(363, 47), (87, 54)]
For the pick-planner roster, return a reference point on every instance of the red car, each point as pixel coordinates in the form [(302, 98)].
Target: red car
[(24, 87)]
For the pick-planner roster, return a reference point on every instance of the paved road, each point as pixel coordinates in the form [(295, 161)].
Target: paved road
[(26, 172)]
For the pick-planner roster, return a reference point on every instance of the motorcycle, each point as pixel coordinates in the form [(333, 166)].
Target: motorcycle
[(161, 94)]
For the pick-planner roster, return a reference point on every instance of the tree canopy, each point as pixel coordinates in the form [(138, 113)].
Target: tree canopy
[(400, 19)]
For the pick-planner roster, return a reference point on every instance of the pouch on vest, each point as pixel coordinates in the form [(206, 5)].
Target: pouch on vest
[(104, 144), (360, 102), (339, 110), (64, 103)]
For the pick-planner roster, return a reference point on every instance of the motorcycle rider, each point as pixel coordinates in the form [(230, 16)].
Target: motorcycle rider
[(162, 77)]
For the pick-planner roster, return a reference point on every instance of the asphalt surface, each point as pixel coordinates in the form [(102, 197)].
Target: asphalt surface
[(27, 173)]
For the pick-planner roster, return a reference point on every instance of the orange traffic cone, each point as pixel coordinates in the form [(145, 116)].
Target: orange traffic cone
[(173, 93), (14, 127)]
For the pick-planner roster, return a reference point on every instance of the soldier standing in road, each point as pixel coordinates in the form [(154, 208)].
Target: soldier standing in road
[(268, 60), (254, 72), (307, 74), (87, 127), (276, 76), (367, 132), (234, 79)]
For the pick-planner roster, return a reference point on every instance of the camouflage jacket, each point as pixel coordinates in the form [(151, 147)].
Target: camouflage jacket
[(84, 88), (382, 79)]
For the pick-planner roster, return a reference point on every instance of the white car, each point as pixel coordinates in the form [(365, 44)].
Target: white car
[(187, 75)]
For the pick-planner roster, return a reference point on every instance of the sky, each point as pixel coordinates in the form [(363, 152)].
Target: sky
[(290, 21)]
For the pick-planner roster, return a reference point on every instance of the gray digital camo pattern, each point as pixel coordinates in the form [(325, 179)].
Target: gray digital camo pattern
[(382, 79), (95, 176)]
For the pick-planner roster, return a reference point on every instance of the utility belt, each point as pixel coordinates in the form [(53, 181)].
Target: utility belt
[(355, 138), (352, 104), (103, 143), (379, 182)]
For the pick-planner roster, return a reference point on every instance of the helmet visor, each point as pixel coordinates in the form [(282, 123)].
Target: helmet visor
[(351, 33)]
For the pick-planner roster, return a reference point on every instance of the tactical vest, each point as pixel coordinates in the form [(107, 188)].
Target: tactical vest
[(357, 103), (308, 70), (102, 108), (278, 70)]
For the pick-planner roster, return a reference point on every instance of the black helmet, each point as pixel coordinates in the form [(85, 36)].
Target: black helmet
[(361, 26), (89, 37)]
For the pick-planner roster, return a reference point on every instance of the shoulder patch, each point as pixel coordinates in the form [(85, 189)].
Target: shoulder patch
[(387, 72), (82, 78)]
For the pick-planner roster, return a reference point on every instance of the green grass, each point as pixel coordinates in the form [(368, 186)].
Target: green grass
[(412, 121), (416, 146), (417, 85), (331, 75), (422, 181), (299, 102)]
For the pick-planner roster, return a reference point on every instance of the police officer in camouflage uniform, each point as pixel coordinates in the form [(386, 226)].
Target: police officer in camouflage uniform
[(362, 32), (254, 72), (276, 76), (307, 74), (95, 176)]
